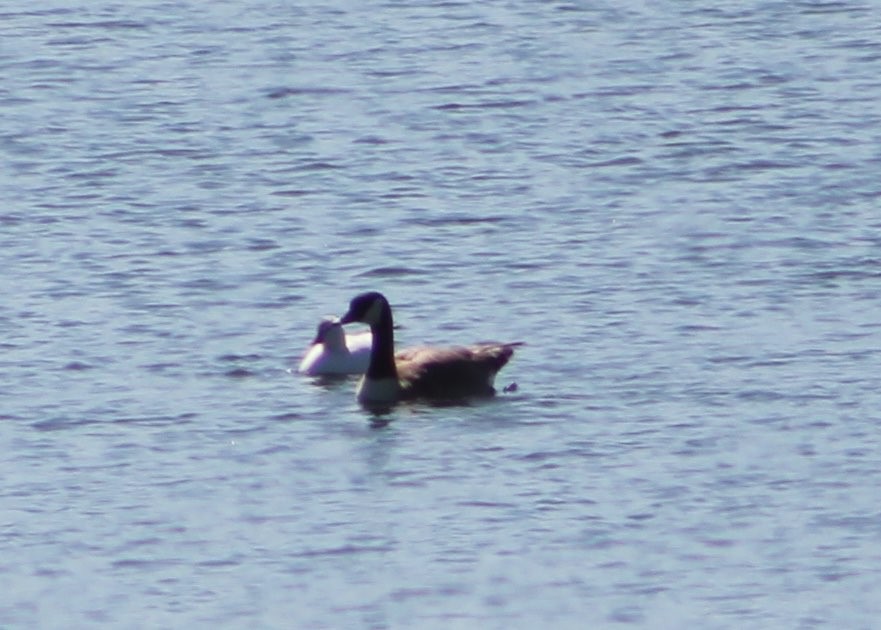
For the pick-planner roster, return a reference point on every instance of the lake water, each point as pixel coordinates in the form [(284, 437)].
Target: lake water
[(676, 205)]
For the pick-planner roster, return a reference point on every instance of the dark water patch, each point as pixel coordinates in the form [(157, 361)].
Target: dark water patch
[(184, 152), (392, 272), (343, 550), (221, 563), (371, 140), (232, 358), (64, 423), (776, 360), (402, 192), (555, 457), (360, 231), (845, 275), (286, 92), (698, 328), (832, 8), (212, 286), (78, 366), (316, 165), (620, 161), (742, 359), (615, 91), (109, 25), (239, 373), (294, 192), (158, 421), (761, 395), (501, 104), (856, 523), (488, 504), (288, 416), (460, 220)]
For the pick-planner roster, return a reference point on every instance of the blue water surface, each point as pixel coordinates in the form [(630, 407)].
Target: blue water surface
[(676, 205)]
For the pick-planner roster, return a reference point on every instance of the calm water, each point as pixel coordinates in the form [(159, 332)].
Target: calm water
[(677, 207)]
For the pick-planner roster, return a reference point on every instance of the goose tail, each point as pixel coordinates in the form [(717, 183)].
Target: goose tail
[(496, 354)]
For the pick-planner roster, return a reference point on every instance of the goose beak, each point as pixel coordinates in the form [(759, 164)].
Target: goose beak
[(347, 318)]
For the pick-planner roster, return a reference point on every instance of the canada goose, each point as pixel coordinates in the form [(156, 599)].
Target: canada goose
[(441, 373), (335, 352)]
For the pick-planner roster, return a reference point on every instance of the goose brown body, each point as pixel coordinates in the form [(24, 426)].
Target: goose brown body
[(423, 372)]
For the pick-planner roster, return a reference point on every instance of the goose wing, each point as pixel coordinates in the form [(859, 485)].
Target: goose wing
[(451, 372)]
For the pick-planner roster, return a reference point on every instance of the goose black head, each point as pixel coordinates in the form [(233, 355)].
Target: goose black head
[(367, 308)]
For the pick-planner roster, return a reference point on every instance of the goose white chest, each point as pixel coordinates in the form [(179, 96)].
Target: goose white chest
[(378, 390)]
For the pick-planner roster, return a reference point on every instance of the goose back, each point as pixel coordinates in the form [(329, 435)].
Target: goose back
[(453, 372)]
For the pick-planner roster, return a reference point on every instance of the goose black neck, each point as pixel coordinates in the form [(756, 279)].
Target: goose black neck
[(382, 352)]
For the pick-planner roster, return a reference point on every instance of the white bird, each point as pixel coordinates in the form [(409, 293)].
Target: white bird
[(333, 351)]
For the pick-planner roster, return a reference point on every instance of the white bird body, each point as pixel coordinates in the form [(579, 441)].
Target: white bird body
[(333, 351)]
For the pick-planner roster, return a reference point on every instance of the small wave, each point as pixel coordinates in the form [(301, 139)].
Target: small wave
[(284, 92), (78, 366), (391, 272), (239, 373), (448, 220)]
